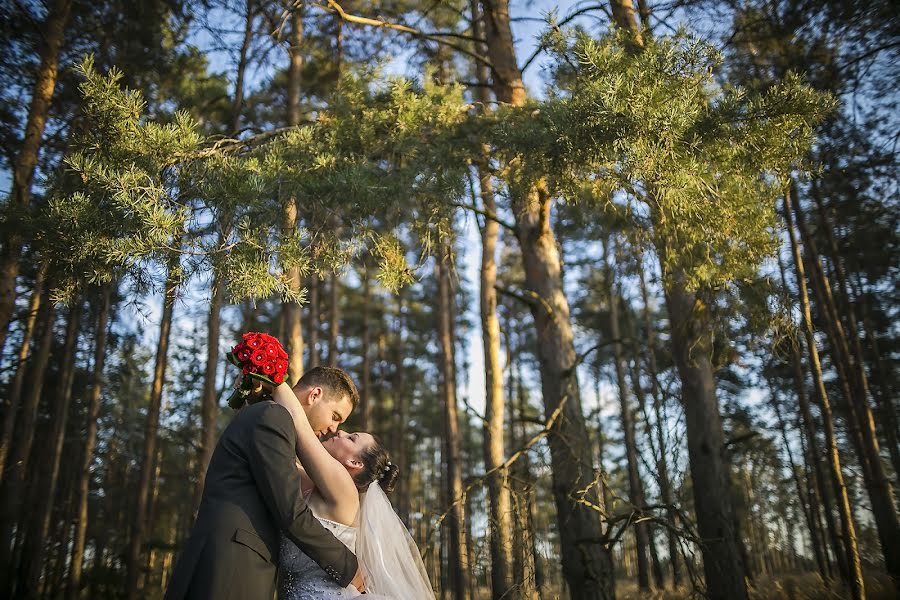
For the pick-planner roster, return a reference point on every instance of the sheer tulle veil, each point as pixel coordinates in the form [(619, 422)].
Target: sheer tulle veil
[(391, 561)]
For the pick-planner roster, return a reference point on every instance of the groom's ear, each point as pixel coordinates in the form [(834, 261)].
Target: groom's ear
[(308, 396)]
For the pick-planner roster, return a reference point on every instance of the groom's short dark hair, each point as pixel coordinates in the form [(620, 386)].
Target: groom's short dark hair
[(333, 380)]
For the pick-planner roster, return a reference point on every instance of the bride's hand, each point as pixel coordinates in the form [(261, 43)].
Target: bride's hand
[(263, 386)]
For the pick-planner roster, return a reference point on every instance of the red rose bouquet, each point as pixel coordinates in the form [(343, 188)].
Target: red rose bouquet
[(261, 358)]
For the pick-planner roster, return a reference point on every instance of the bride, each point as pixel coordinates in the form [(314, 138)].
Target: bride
[(345, 478)]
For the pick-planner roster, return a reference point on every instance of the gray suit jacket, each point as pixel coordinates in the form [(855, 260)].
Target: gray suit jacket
[(252, 494)]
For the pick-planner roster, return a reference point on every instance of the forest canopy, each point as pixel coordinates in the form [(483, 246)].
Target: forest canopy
[(616, 281)]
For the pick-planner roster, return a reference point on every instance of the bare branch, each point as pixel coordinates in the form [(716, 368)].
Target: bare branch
[(487, 215), (436, 36)]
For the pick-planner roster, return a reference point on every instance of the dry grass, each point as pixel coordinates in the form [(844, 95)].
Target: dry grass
[(801, 586)]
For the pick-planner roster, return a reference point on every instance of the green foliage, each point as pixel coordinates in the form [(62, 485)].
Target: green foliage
[(698, 163), (116, 205), (136, 187)]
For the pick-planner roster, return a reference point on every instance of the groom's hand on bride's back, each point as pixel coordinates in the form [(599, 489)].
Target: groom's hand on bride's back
[(358, 581)]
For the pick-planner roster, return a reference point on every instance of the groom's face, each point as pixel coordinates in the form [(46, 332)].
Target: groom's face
[(325, 411)]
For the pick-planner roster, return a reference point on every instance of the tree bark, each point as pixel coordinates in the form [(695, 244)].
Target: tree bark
[(857, 587), (692, 350), (817, 471), (692, 332), (457, 561), (808, 502), (48, 477), (398, 388), (635, 487), (238, 102), (139, 521), (15, 388), (586, 560), (887, 417), (665, 482), (53, 33), (365, 399), (333, 319), (881, 495), (315, 357), (14, 481), (290, 310), (209, 405), (87, 455), (625, 18), (527, 575), (499, 515)]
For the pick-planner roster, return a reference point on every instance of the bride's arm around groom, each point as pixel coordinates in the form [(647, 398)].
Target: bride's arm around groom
[(252, 493)]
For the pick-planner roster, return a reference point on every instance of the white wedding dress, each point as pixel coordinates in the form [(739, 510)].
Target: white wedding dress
[(302, 579), (391, 563)]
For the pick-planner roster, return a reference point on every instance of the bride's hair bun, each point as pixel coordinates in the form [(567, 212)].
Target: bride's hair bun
[(377, 467), (389, 477)]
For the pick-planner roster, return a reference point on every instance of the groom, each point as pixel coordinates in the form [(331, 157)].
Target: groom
[(252, 494)]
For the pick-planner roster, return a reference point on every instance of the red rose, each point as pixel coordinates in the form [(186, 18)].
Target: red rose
[(281, 366), (254, 343), (244, 354), (268, 367), (281, 353), (258, 358), (247, 369), (271, 350), (278, 378), (249, 334)]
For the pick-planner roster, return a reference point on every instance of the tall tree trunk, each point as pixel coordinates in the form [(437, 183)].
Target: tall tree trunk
[(817, 471), (87, 455), (525, 564), (659, 577), (625, 18), (15, 388), (458, 562), (808, 502), (500, 515), (887, 417), (315, 357), (857, 587), (52, 33), (238, 101), (35, 541), (290, 310), (334, 319), (14, 481), (494, 455), (139, 521), (366, 395), (692, 350), (398, 389), (692, 334), (635, 487), (586, 560), (662, 466), (209, 406), (881, 494)]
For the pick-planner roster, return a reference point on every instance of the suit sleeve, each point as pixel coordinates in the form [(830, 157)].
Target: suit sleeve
[(271, 458)]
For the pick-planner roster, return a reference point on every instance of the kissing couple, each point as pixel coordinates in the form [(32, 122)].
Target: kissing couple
[(320, 527)]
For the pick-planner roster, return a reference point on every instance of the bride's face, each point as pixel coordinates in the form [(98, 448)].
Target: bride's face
[(348, 447)]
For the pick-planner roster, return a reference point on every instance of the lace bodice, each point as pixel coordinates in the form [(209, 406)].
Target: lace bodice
[(302, 579)]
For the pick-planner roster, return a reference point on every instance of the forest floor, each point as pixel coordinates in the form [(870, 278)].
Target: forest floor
[(800, 586)]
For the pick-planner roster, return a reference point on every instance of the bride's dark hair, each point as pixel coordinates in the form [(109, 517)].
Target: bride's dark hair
[(377, 466)]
